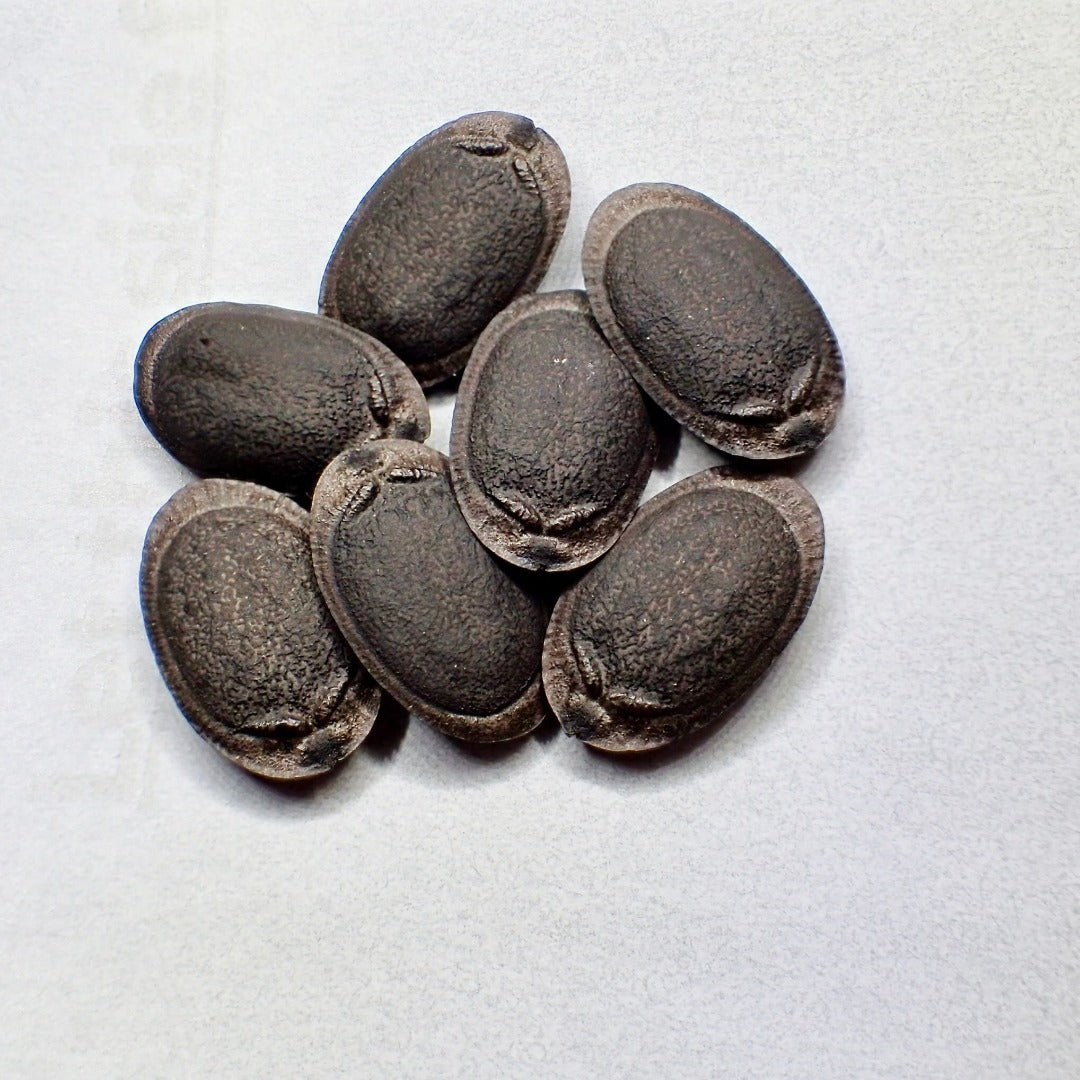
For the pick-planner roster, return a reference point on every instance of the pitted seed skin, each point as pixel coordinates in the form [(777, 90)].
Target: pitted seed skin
[(689, 608), (552, 442), (441, 624), (242, 635), (712, 322), (250, 392), (463, 222)]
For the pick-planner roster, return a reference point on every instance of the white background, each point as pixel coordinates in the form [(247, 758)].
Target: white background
[(871, 871)]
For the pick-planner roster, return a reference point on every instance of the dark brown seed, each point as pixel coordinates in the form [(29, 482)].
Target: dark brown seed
[(688, 609), (462, 223), (264, 394), (712, 322), (438, 621), (242, 635), (551, 443)]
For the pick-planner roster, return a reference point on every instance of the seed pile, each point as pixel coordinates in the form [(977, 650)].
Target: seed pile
[(432, 578)]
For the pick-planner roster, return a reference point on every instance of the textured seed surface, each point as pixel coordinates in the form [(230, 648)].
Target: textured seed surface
[(439, 622), (551, 442), (242, 635), (686, 611), (712, 321), (269, 395), (462, 223)]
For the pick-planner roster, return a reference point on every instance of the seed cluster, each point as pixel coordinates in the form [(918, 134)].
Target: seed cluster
[(444, 581)]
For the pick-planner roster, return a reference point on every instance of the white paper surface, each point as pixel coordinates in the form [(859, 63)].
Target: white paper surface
[(871, 871)]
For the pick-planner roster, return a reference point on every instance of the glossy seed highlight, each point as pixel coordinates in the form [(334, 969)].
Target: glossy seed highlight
[(463, 222), (269, 395), (242, 636), (685, 613), (439, 622), (712, 322), (551, 442)]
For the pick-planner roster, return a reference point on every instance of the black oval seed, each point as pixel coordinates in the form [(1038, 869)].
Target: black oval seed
[(712, 322), (242, 636), (433, 615), (462, 223), (688, 609), (551, 442), (268, 395)]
